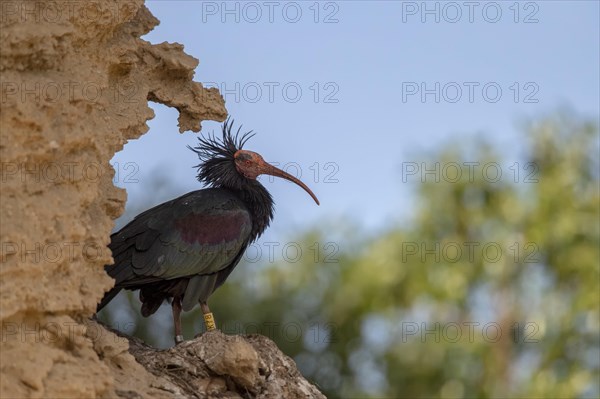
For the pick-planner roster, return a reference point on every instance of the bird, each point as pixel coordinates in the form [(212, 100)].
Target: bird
[(182, 250)]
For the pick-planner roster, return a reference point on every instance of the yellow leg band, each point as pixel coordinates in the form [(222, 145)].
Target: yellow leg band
[(209, 320)]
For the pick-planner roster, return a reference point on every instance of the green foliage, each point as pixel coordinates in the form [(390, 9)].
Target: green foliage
[(491, 291)]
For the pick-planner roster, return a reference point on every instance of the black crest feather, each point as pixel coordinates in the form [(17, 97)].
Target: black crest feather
[(217, 167)]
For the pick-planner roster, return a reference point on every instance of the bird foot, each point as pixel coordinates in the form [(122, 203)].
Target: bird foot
[(178, 339)]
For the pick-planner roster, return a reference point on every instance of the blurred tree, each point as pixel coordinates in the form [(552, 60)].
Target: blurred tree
[(491, 291)]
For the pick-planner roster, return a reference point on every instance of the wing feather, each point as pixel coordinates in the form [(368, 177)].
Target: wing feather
[(200, 233)]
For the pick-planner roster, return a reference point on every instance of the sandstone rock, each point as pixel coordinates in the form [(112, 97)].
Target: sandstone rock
[(221, 366)]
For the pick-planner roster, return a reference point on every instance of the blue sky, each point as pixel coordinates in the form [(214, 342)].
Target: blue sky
[(338, 91)]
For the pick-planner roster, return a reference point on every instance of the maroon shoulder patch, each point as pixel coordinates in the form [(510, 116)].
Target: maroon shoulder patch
[(213, 228)]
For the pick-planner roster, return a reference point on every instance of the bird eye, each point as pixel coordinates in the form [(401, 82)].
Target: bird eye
[(248, 162)]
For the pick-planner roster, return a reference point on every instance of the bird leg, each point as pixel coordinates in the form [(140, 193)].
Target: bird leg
[(176, 305), (209, 320)]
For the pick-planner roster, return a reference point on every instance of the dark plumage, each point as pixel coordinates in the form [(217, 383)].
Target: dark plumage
[(184, 249)]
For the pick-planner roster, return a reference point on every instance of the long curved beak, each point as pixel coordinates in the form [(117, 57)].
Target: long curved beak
[(268, 169)]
